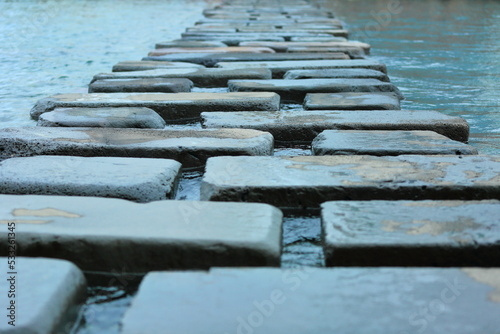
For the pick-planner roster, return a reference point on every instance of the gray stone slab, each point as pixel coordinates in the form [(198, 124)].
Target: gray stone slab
[(352, 52), (381, 143), (347, 73), (308, 181), (180, 106), (333, 300), (102, 117), (304, 126), (110, 235), (296, 91), (412, 233), (226, 49), (126, 66), (190, 147), (46, 293), (146, 85), (203, 77), (290, 32), (179, 43), (352, 100), (233, 39), (279, 68), (140, 180), (335, 43)]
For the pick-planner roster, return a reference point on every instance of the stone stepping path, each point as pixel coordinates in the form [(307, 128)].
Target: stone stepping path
[(336, 73), (411, 233), (192, 148), (147, 85), (227, 49), (180, 43), (458, 300), (352, 100), (139, 180), (285, 46), (48, 294), (125, 66), (102, 234)]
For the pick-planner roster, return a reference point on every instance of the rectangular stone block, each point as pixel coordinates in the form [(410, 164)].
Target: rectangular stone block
[(233, 39), (352, 100), (179, 43), (227, 49), (140, 180), (146, 85), (352, 52), (110, 235), (411, 233), (337, 300), (285, 46), (126, 66), (308, 181), (190, 147), (178, 107), (200, 36), (336, 73), (382, 143)]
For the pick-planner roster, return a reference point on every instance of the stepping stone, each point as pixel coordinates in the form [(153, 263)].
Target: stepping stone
[(147, 85), (279, 68), (233, 39), (227, 49), (353, 53), (209, 59), (290, 32), (46, 294), (102, 117), (348, 73), (381, 143), (285, 46), (352, 101), (190, 147), (309, 300), (180, 106), (126, 66), (179, 43), (308, 181), (110, 235), (411, 233), (139, 180), (296, 90), (205, 77), (304, 126)]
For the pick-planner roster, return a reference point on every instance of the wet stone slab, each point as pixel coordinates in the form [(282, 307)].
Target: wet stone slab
[(296, 90), (382, 143), (126, 66), (308, 181), (227, 49), (233, 39), (337, 42), (112, 235), (190, 147), (139, 180), (352, 100), (179, 43), (332, 300), (146, 85), (178, 107), (412, 233), (336, 73), (102, 117)]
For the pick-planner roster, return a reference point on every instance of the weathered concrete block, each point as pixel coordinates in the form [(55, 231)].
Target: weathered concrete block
[(180, 106), (353, 53), (190, 147), (207, 36), (226, 49), (44, 295), (126, 66), (335, 43), (308, 181), (304, 126), (102, 117), (381, 143), (337, 300), (180, 43), (140, 180), (296, 90), (293, 32), (101, 234), (353, 101), (347, 73), (411, 233), (146, 85), (233, 39)]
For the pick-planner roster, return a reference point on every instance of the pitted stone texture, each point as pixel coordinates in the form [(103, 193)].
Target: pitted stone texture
[(333, 300), (180, 106), (296, 90), (233, 39), (284, 46), (126, 66), (179, 43), (227, 49), (308, 181), (337, 73), (102, 117), (412, 233), (205, 77), (190, 147), (352, 100), (381, 143), (279, 68), (100, 234), (140, 180), (48, 293), (147, 85), (304, 126)]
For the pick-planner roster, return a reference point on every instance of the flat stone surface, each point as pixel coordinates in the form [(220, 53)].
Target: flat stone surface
[(347, 73), (179, 43), (190, 147), (336, 300), (146, 85), (352, 52), (203, 77), (256, 36), (359, 142), (296, 90), (126, 66), (412, 233), (139, 180), (233, 39), (279, 68), (101, 234), (304, 126), (226, 49), (180, 106), (334, 43), (102, 117), (352, 100), (308, 181), (48, 293)]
